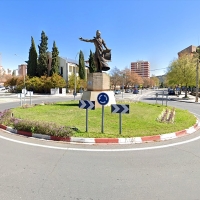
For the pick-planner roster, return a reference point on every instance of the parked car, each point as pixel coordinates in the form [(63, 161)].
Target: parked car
[(128, 91), (171, 92), (117, 91), (2, 88), (135, 91)]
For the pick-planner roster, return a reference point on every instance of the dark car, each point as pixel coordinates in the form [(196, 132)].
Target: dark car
[(135, 91), (171, 92)]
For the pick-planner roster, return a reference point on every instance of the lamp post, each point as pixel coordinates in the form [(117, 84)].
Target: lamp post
[(123, 85), (197, 81), (197, 73), (75, 78)]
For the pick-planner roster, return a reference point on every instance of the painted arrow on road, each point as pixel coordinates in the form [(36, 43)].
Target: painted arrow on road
[(85, 104), (118, 108)]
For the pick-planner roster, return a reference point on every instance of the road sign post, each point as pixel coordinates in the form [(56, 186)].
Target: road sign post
[(102, 99), (156, 97), (30, 93), (118, 108), (85, 104)]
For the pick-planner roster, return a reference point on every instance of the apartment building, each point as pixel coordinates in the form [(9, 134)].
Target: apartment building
[(187, 51), (22, 70), (142, 68)]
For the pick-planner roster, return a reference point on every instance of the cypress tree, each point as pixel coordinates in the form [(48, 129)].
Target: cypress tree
[(55, 61), (81, 66), (92, 67), (42, 60), (32, 60)]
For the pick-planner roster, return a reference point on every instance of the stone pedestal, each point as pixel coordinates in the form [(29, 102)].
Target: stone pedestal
[(97, 83)]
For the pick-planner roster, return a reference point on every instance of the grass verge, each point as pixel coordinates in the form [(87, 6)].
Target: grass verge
[(141, 121)]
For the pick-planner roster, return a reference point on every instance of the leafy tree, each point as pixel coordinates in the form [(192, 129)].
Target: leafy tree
[(131, 78), (32, 60), (92, 67), (81, 66), (154, 81), (55, 61), (182, 71), (71, 82), (42, 60), (115, 77), (57, 81), (136, 79), (12, 81), (34, 84)]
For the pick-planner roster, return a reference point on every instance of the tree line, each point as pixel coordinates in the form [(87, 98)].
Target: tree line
[(183, 71)]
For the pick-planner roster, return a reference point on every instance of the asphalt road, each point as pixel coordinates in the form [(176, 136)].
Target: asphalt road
[(37, 169)]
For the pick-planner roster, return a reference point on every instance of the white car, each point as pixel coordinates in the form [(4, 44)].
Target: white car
[(2, 88)]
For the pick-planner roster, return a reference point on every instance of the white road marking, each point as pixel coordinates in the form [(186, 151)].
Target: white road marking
[(102, 150)]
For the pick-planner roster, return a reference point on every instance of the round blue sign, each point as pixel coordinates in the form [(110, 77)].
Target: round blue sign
[(103, 98)]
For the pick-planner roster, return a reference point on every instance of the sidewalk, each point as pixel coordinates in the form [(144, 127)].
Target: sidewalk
[(182, 98)]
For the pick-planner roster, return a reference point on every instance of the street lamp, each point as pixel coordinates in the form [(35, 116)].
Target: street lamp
[(197, 74), (197, 81), (123, 85), (75, 77)]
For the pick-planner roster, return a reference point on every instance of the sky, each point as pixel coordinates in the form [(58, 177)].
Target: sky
[(149, 30)]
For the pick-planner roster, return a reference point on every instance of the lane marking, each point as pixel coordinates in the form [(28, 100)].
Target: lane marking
[(102, 150)]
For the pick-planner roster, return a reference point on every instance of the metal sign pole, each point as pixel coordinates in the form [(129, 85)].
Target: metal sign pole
[(120, 123), (166, 99), (156, 97), (102, 119), (162, 97), (24, 96), (86, 120), (30, 99), (21, 99)]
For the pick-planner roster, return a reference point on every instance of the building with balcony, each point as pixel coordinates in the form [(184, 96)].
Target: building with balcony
[(142, 68)]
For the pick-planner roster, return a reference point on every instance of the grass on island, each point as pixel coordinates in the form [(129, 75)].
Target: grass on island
[(141, 121)]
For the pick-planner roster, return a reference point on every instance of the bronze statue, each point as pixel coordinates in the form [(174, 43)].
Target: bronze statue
[(102, 56)]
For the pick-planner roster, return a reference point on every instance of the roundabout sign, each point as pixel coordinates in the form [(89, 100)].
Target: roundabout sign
[(103, 98)]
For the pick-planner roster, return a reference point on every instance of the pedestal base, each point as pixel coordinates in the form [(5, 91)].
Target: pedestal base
[(98, 82), (92, 96)]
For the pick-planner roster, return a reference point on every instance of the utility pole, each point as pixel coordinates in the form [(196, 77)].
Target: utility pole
[(197, 75), (197, 81)]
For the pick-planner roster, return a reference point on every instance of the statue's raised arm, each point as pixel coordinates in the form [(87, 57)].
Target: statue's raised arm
[(85, 40)]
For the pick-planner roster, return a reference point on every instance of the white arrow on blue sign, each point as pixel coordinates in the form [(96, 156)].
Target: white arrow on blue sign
[(118, 108), (85, 104)]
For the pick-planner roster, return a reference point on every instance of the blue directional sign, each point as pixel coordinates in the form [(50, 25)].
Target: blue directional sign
[(85, 104), (103, 98), (118, 108)]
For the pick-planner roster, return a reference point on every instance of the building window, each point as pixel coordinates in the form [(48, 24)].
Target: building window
[(61, 71)]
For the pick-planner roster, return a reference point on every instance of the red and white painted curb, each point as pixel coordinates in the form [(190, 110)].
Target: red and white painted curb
[(133, 140)]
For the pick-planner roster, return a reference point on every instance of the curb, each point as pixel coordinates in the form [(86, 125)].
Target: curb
[(133, 140)]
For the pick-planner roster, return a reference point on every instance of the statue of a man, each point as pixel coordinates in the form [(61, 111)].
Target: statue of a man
[(102, 56)]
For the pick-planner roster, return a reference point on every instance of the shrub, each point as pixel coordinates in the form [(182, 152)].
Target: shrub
[(46, 128)]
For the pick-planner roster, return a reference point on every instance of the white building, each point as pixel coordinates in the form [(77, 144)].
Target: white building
[(67, 66)]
